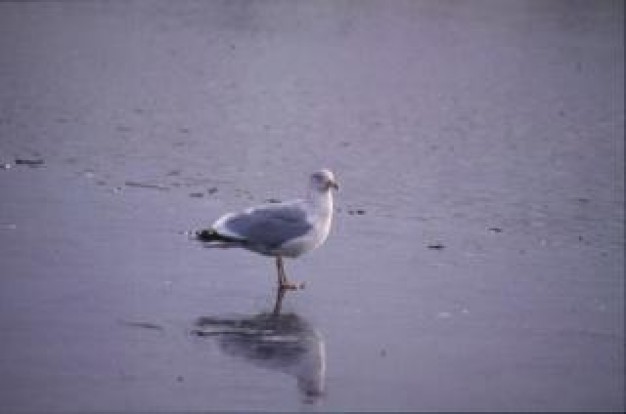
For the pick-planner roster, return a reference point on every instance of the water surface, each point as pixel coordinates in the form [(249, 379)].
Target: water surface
[(476, 257)]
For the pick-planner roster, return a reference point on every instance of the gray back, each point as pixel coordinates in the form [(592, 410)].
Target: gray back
[(270, 226)]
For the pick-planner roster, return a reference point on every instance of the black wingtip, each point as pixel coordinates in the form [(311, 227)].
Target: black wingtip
[(210, 235), (206, 235)]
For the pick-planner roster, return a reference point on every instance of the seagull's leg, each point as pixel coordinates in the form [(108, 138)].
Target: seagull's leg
[(283, 283), (280, 270)]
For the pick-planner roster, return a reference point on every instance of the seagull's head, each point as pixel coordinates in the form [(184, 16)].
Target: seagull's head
[(323, 181)]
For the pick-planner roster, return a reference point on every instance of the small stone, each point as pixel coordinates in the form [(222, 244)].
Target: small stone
[(212, 190), (436, 246)]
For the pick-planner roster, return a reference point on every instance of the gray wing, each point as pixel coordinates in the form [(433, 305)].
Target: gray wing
[(269, 226)]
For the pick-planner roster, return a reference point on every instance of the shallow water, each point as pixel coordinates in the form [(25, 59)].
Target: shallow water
[(476, 258)]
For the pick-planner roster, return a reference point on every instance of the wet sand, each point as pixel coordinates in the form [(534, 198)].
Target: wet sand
[(477, 256)]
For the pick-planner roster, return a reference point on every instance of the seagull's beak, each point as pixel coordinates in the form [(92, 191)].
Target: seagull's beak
[(333, 184)]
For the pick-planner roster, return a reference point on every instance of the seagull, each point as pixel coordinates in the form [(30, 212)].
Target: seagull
[(287, 229)]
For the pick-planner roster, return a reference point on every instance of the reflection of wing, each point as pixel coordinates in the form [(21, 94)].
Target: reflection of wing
[(281, 342)]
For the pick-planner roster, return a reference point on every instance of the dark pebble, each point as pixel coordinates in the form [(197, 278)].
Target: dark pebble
[(495, 229), (196, 195), (212, 190), (436, 246)]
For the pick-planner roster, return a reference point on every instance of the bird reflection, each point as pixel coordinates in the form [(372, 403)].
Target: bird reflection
[(280, 341)]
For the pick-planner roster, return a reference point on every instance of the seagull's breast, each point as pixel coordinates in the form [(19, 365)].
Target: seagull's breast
[(299, 245), (320, 222)]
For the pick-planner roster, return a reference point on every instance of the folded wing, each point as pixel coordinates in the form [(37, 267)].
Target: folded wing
[(266, 226)]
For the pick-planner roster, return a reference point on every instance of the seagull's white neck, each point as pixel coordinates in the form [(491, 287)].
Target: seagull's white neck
[(320, 205), (321, 202)]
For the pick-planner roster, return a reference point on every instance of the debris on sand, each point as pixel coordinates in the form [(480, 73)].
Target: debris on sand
[(583, 200), (31, 162), (145, 185), (495, 229), (358, 212), (123, 128), (144, 325), (200, 194), (436, 246)]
